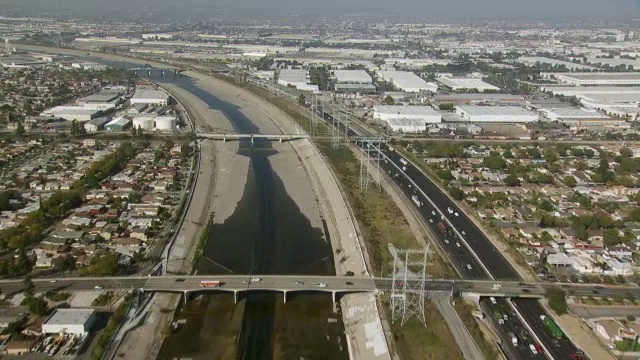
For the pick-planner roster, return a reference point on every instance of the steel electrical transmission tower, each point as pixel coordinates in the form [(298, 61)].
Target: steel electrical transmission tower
[(408, 288), (371, 156)]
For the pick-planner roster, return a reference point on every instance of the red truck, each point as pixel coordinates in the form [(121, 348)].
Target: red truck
[(442, 227)]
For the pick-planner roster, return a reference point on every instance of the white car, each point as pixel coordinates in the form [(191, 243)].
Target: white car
[(469, 266), (322, 285), (98, 287), (456, 214), (457, 244), (433, 213), (446, 241), (431, 220), (450, 210), (464, 233), (256, 279), (53, 281)]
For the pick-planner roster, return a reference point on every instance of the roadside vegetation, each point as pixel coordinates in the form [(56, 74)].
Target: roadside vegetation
[(465, 311), (109, 331), (202, 242), (557, 300)]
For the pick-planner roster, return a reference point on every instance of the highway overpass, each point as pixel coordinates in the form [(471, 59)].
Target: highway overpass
[(252, 137), (300, 283)]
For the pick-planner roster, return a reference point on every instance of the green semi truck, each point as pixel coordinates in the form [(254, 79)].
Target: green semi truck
[(552, 326)]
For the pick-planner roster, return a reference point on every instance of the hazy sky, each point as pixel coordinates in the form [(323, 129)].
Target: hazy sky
[(429, 9)]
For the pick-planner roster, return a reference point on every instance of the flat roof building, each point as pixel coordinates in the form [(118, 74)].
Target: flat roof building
[(71, 113), (407, 81), (532, 60), (150, 96), (495, 114), (297, 78), (600, 78), (587, 90), (470, 98), (352, 77), (101, 97), (69, 321), (560, 114), (118, 124), (95, 125), (463, 83), (407, 119)]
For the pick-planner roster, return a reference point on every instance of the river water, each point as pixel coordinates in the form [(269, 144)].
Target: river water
[(267, 234)]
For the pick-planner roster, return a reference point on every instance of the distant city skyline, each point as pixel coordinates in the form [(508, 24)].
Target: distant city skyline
[(427, 9)]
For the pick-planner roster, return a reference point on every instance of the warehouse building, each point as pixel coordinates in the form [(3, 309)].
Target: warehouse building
[(406, 119), (297, 78), (562, 114), (118, 124), (71, 113), (150, 96), (607, 101), (533, 60), (601, 78), (102, 97), (589, 90), (95, 125), (70, 321), (407, 81), (353, 81), (463, 83), (495, 114), (463, 98)]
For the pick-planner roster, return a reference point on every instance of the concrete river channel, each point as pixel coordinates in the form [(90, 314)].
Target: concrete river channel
[(266, 234)]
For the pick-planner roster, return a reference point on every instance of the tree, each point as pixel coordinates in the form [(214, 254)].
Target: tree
[(456, 193), (19, 129), (626, 152), (134, 133), (507, 154), (611, 237), (550, 155), (301, 99), (494, 161), (557, 300), (140, 132), (389, 100), (569, 181), (512, 180), (29, 287), (446, 106)]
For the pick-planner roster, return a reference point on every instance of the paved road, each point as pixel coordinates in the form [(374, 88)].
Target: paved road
[(465, 341), (590, 312)]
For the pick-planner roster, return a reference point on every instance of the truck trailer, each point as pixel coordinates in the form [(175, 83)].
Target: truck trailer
[(552, 326)]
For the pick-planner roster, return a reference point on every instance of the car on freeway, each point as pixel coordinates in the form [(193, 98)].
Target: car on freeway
[(256, 279), (456, 214), (469, 266), (526, 291), (599, 287), (433, 213), (180, 279), (349, 283), (299, 283), (446, 241), (450, 210), (245, 282), (321, 285), (53, 281), (457, 244), (522, 284), (431, 220), (98, 287), (464, 233)]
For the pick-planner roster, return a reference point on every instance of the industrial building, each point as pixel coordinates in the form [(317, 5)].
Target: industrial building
[(118, 124), (406, 118), (95, 125), (570, 113), (599, 78), (407, 81), (71, 113), (352, 77), (606, 101), (463, 83), (588, 90), (495, 114), (69, 321), (150, 96), (533, 60), (102, 97), (353, 81), (297, 78), (463, 98)]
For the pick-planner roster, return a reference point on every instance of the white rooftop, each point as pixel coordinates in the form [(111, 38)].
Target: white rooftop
[(69, 317), (574, 113), (466, 83), (407, 122), (406, 110), (404, 79), (293, 75), (602, 76), (531, 60), (352, 76), (149, 94), (494, 110)]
